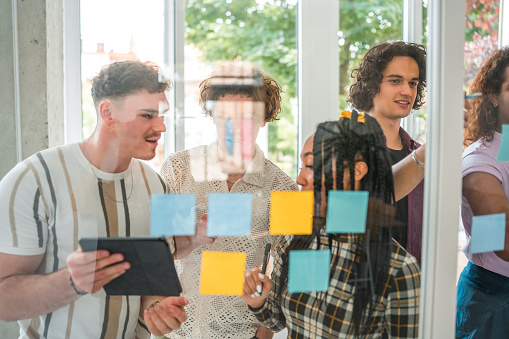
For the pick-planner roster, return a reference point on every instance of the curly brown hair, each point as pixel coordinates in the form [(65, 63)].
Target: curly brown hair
[(123, 78), (241, 80), (368, 75), (483, 118)]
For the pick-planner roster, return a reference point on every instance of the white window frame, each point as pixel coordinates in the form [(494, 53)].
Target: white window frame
[(412, 32), (442, 194), (17, 103), (73, 117), (318, 67), (503, 24)]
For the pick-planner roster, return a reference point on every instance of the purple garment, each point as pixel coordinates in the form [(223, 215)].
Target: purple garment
[(415, 205), (480, 157)]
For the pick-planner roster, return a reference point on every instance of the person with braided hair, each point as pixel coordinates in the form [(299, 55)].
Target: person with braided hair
[(374, 282)]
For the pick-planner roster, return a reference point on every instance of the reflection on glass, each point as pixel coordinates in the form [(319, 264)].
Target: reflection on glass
[(261, 32)]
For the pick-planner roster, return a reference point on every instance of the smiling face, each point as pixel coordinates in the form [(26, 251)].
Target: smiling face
[(137, 123), (398, 89)]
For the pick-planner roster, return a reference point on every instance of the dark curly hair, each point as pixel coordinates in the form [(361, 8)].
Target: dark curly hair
[(369, 74), (483, 119), (343, 143), (123, 78), (237, 79)]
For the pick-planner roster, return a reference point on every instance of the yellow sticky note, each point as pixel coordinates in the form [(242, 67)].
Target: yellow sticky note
[(222, 273), (291, 213)]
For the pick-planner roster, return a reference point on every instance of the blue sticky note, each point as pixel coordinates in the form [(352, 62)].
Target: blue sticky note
[(503, 152), (488, 233), (229, 214), (308, 271), (347, 211), (172, 214)]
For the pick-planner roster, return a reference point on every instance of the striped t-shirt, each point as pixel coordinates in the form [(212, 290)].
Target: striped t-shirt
[(54, 198)]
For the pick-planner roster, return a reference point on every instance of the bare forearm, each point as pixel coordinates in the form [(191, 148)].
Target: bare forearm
[(408, 174), (28, 296)]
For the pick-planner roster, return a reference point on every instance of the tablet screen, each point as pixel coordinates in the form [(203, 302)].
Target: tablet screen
[(152, 269)]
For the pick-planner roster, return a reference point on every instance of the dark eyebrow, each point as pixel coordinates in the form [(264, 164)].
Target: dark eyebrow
[(148, 110), (393, 76), (398, 76), (306, 154)]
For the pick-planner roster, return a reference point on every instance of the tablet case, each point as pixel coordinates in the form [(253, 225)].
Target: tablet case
[(152, 269)]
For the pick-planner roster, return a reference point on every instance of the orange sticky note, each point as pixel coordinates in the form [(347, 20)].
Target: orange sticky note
[(291, 212), (222, 273)]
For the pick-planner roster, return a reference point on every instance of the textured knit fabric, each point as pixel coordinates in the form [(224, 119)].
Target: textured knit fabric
[(54, 198), (415, 205), (199, 171), (481, 157), (329, 314)]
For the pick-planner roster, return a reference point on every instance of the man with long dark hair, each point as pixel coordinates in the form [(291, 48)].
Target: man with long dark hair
[(389, 82)]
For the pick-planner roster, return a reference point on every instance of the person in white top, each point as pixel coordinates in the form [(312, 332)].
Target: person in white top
[(94, 188), (232, 164)]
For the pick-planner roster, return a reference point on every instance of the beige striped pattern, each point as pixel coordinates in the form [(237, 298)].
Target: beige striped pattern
[(11, 209)]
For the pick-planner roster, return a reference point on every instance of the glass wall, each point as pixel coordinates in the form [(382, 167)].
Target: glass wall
[(264, 34)]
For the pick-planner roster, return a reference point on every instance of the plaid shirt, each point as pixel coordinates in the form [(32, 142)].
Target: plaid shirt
[(329, 314)]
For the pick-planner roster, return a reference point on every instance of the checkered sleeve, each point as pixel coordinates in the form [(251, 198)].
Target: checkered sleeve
[(271, 314), (402, 314)]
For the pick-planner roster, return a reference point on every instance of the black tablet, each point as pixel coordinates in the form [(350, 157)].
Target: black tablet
[(152, 269)]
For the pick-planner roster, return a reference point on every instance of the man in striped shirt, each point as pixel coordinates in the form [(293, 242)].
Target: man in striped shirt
[(94, 188)]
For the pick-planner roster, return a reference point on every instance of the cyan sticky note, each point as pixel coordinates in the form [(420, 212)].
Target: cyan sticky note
[(308, 271), (347, 211), (503, 152), (172, 214), (488, 233), (229, 214)]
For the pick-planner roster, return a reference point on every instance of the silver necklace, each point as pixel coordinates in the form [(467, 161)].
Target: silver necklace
[(100, 181)]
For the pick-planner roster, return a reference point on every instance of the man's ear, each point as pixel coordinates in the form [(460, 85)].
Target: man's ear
[(361, 168), (105, 110)]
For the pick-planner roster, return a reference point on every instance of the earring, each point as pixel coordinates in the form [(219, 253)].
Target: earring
[(495, 105)]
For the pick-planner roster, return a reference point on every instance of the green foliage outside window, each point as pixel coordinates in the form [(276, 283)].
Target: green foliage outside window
[(265, 33)]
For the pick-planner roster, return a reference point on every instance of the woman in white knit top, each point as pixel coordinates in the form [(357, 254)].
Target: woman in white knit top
[(223, 167)]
